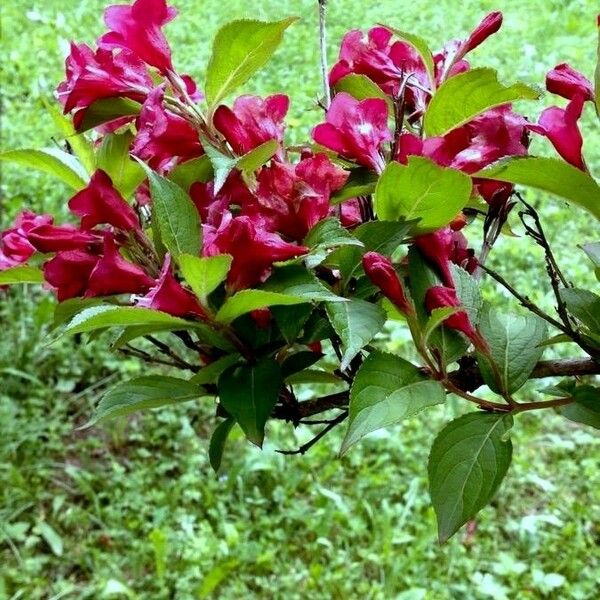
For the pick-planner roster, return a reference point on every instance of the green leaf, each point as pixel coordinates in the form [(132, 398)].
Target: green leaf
[(66, 310), (144, 392), (515, 347), (586, 408), (462, 97), (436, 319), (222, 164), (136, 331), (176, 215), (356, 322), (204, 274), (51, 537), (549, 175), (211, 372), (239, 50), (313, 376), (386, 390), (584, 306), (324, 236), (82, 147), (299, 361), (217, 443), (362, 88), (291, 319), (421, 46), (248, 300), (468, 461), (113, 157), (257, 157), (295, 280), (249, 393), (468, 292), (22, 274), (103, 316), (61, 164), (106, 110), (191, 171), (421, 190), (593, 252), (361, 182)]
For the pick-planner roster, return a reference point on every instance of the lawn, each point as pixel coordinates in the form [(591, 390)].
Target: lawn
[(133, 509)]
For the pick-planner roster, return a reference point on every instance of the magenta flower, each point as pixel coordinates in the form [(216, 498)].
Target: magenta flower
[(69, 271), (92, 76), (162, 137), (112, 274), (290, 199), (168, 296), (252, 121), (565, 81), (356, 130), (381, 272), (254, 250), (56, 238), (15, 246), (100, 203), (137, 28), (560, 126)]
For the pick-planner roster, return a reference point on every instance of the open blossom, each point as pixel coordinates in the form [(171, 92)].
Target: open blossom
[(443, 247), (560, 126), (442, 297), (92, 76), (356, 129), (167, 295), (252, 121), (163, 137), (138, 28), (69, 271), (565, 81), (291, 199), (254, 250), (381, 272), (15, 247), (100, 203)]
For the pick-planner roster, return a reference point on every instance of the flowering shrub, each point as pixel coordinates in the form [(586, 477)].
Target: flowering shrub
[(274, 266)]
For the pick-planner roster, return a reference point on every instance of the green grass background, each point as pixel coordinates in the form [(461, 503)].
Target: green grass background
[(133, 510)]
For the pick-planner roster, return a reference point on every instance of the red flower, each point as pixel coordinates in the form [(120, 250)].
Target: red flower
[(99, 202), (254, 250), (291, 199), (356, 130), (252, 122), (489, 25), (112, 274), (261, 317), (444, 247), (560, 126), (565, 81), (138, 28), (68, 272), (15, 247), (381, 272), (56, 238), (93, 76), (168, 296), (442, 297), (163, 137), (350, 215)]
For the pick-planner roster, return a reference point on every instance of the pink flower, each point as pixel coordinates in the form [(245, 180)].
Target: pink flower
[(565, 81), (55, 238), (291, 199), (112, 274), (99, 202), (381, 272), (252, 121), (137, 28), (560, 126), (442, 297), (69, 271), (168, 296), (93, 76), (443, 247), (15, 247), (254, 250), (350, 215), (356, 130), (163, 137), (489, 25)]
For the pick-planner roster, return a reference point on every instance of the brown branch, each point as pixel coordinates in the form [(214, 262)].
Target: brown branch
[(305, 447)]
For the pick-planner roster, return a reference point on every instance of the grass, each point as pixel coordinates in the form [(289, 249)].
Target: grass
[(132, 510)]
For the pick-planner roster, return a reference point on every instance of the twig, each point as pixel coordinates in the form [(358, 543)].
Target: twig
[(323, 51), (306, 447), (164, 349)]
